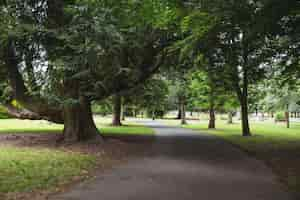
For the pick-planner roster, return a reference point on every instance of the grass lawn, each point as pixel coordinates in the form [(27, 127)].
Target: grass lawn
[(24, 169), (3, 113), (126, 129), (27, 169), (40, 126), (273, 143), (28, 126)]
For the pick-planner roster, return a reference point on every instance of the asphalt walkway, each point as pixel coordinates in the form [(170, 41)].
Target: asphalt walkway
[(185, 165)]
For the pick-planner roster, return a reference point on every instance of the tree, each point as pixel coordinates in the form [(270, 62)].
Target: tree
[(210, 94), (78, 49), (204, 95), (238, 39), (150, 97), (117, 109)]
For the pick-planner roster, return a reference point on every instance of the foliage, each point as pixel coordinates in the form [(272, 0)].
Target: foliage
[(3, 113), (280, 116), (102, 108), (150, 97), (237, 43), (205, 91)]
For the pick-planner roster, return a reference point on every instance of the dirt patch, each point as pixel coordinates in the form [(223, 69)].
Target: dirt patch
[(109, 154)]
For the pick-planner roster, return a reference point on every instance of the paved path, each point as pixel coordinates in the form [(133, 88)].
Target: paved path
[(185, 165)]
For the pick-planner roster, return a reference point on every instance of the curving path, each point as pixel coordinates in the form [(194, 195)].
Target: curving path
[(185, 165)]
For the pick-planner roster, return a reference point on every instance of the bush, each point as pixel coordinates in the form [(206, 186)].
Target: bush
[(280, 116), (101, 109), (3, 113)]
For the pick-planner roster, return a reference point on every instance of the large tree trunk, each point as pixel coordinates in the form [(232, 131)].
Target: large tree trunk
[(79, 123), (117, 110)]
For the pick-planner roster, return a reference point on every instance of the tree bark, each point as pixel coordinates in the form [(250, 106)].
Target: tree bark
[(230, 121), (245, 118), (212, 118), (183, 111), (242, 94), (117, 110), (79, 122), (179, 112), (36, 104), (287, 116), (123, 112), (153, 115), (21, 113)]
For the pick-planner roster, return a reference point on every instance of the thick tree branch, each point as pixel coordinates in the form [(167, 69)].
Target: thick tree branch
[(21, 94)]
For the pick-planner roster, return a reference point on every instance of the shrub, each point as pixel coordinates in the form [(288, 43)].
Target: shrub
[(3, 113), (280, 116)]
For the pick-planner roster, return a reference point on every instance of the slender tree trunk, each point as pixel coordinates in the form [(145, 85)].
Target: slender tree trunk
[(183, 111), (243, 93), (153, 115), (123, 110), (117, 109), (287, 116), (135, 112), (230, 121), (212, 118), (243, 98), (179, 111), (78, 122), (245, 118)]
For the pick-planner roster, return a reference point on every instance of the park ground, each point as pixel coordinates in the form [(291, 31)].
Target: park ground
[(276, 145), (25, 150), (33, 164)]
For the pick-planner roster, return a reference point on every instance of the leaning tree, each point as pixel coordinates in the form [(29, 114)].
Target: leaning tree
[(59, 56)]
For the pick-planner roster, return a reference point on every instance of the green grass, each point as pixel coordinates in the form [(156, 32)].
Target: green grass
[(127, 129), (28, 126), (273, 143), (3, 113), (28, 169)]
